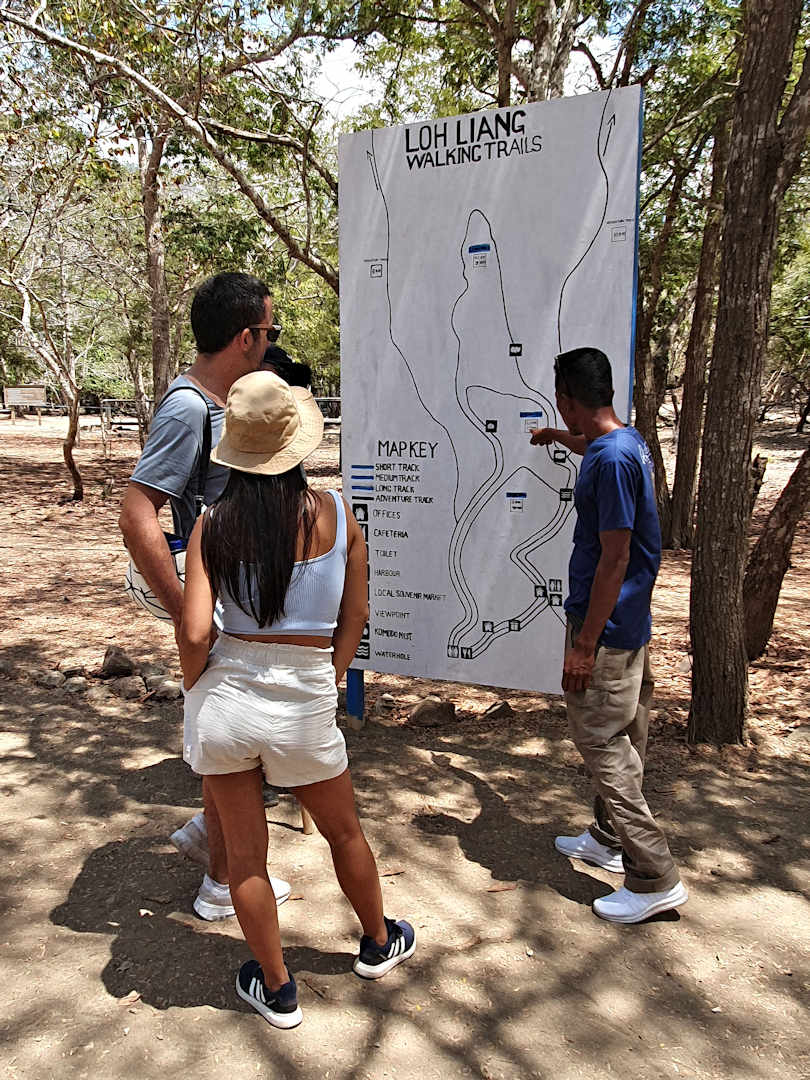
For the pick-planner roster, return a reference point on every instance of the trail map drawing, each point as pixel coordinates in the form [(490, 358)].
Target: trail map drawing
[(474, 249)]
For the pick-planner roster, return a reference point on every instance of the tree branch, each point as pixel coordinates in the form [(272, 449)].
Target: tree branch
[(795, 125), (582, 47), (487, 14), (271, 139), (197, 131)]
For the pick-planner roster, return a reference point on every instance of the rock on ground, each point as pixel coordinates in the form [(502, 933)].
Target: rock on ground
[(117, 663), (69, 668), (51, 680), (167, 690), (432, 712), (130, 687)]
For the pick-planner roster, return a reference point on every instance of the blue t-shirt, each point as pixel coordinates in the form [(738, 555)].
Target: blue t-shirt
[(616, 490), (171, 456)]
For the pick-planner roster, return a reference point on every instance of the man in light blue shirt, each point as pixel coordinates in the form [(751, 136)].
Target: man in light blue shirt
[(232, 321)]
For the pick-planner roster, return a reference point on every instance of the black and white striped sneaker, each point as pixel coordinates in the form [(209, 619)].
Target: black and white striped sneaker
[(279, 1007), (375, 960)]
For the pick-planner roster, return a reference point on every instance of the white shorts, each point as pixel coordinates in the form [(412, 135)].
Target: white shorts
[(265, 704)]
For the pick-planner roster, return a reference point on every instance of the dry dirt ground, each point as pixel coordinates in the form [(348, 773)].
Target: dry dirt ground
[(105, 973)]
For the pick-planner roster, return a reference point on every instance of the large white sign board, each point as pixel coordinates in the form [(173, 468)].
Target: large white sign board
[(473, 250)]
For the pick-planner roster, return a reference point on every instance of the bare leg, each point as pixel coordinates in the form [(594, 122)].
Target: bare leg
[(217, 859), (331, 804), (240, 805)]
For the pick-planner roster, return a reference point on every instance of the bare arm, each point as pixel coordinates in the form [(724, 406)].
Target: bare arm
[(143, 536), (353, 614), (607, 584), (194, 635), (543, 436)]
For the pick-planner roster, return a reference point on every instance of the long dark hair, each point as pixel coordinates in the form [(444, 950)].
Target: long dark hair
[(249, 539)]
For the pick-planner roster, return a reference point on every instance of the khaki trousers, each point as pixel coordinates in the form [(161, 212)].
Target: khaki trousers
[(608, 724)]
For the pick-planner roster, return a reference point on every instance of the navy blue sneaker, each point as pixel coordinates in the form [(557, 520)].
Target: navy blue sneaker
[(279, 1007), (375, 960)]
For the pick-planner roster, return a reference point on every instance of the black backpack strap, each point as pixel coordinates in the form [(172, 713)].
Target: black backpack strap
[(205, 452)]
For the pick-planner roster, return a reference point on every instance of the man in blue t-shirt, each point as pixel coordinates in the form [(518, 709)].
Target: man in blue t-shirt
[(232, 321), (607, 678)]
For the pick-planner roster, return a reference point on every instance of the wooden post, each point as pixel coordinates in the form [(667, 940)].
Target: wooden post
[(355, 699)]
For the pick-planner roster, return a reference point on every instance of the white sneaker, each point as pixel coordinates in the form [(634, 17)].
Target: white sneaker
[(624, 906), (281, 889), (192, 840), (588, 849), (213, 901)]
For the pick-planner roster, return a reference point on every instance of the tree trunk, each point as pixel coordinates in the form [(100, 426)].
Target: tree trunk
[(72, 402), (646, 401), (552, 36), (142, 411), (645, 391), (149, 160), (697, 353), (758, 467), (804, 416), (763, 158), (67, 451), (769, 560)]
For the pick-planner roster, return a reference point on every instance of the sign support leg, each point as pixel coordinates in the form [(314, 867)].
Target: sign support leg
[(355, 698)]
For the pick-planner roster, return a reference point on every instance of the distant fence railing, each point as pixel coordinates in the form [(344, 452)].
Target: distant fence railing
[(330, 407)]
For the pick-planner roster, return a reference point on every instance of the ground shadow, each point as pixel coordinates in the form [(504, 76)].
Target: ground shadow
[(131, 890)]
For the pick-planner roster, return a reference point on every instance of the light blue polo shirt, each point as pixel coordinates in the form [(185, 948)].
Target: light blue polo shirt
[(171, 456)]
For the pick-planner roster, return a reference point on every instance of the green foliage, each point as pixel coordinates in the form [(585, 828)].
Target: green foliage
[(427, 59), (789, 343)]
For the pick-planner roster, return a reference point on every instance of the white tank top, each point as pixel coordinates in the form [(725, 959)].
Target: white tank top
[(313, 597)]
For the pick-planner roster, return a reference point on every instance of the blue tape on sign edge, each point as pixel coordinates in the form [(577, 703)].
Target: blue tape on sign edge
[(633, 313)]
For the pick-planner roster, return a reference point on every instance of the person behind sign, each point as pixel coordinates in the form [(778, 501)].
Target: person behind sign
[(291, 371), (607, 678), (288, 565)]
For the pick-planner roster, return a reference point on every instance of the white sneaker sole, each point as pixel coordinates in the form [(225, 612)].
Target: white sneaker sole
[(212, 912), (279, 1020), (679, 898), (615, 866), (216, 912), (376, 971)]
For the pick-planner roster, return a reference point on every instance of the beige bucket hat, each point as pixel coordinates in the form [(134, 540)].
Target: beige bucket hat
[(270, 427)]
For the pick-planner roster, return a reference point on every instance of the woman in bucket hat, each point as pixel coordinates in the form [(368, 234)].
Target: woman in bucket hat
[(288, 565)]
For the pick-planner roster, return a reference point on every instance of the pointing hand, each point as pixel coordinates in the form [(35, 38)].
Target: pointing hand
[(542, 436)]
